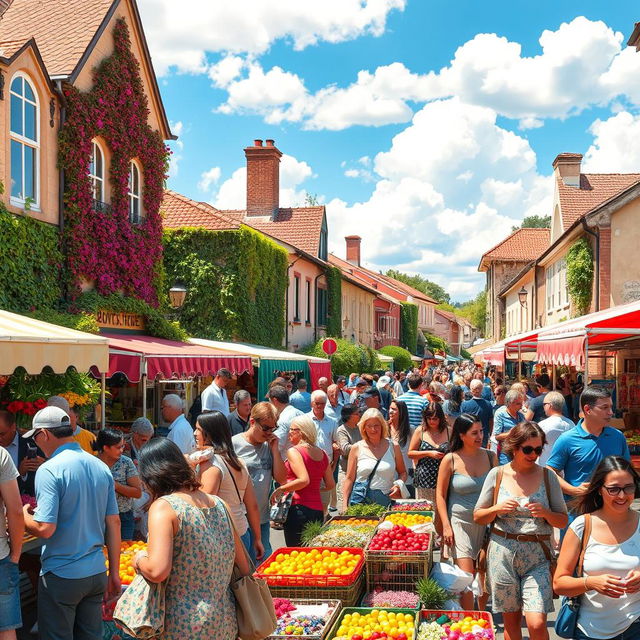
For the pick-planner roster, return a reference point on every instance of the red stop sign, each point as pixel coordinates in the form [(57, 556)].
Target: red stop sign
[(329, 346)]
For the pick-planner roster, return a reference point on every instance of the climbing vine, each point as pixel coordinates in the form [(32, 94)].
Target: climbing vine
[(409, 326), (103, 246), (236, 282), (580, 275), (334, 294)]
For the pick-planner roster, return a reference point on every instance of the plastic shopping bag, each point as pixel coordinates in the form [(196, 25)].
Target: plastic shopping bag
[(450, 577)]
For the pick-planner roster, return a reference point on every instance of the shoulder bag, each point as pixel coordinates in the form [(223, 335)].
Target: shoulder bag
[(255, 613), (567, 618), (141, 608), (361, 487)]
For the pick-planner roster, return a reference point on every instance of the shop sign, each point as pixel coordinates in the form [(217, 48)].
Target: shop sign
[(120, 321)]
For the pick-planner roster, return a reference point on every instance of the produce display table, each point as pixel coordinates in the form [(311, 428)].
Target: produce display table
[(305, 619), (384, 624), (451, 625)]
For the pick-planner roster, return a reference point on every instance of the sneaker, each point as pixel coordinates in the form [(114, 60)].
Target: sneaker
[(276, 525), (333, 509)]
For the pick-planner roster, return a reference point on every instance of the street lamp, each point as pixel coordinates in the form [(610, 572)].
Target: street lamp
[(522, 297), (177, 295)]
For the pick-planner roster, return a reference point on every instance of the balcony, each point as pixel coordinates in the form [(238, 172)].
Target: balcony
[(101, 207)]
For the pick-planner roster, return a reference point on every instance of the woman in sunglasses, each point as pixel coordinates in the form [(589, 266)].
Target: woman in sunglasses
[(610, 580), (523, 502)]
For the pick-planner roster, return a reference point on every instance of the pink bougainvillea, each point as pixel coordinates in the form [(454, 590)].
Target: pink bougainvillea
[(104, 246)]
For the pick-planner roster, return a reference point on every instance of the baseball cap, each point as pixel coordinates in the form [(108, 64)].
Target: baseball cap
[(48, 418), (383, 381), (371, 393)]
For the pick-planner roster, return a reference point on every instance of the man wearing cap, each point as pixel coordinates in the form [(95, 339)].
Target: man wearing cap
[(371, 400), (361, 387), (83, 437), (384, 387), (76, 513)]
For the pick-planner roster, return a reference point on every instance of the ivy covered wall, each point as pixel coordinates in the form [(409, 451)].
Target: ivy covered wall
[(30, 263), (334, 293), (236, 282), (409, 326), (103, 246)]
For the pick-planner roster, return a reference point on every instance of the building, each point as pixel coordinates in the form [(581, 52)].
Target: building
[(301, 231), (450, 328), (501, 264), (599, 209), (72, 73)]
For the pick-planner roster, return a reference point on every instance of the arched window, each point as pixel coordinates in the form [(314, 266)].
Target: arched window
[(134, 191), (96, 173), (25, 146)]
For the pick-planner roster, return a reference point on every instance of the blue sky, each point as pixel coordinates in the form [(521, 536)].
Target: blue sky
[(426, 127)]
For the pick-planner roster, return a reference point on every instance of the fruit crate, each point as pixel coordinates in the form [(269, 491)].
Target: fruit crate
[(346, 520), (335, 604), (364, 604), (390, 570), (364, 611), (412, 513), (431, 615), (349, 595), (406, 504)]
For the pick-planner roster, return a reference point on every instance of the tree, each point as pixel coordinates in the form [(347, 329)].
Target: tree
[(427, 287), (475, 311), (534, 222)]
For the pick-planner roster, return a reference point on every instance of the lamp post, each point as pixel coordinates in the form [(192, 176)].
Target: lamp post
[(522, 297)]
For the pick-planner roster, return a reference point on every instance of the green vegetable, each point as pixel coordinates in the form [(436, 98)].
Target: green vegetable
[(432, 595), (310, 531), (365, 510)]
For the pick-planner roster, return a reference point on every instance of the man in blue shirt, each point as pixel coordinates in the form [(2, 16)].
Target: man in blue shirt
[(301, 399), (77, 511), (481, 408), (578, 451), (414, 401), (214, 397)]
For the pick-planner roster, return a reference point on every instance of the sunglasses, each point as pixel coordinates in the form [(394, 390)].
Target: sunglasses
[(628, 489), (528, 450), (266, 429)]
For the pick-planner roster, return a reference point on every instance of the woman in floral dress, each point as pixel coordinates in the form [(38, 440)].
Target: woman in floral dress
[(192, 547)]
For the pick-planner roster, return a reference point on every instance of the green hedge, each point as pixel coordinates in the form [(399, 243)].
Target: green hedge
[(409, 326), (236, 282), (401, 357), (434, 342), (350, 357), (334, 295), (580, 275), (30, 263)]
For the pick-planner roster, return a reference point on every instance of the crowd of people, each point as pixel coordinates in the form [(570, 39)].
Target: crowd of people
[(505, 466)]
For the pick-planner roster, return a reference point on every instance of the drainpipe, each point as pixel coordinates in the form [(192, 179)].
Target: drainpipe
[(596, 236), (315, 294), (286, 308)]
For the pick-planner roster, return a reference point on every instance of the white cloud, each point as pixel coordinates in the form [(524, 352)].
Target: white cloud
[(232, 193), (226, 70), (209, 178), (616, 145), (582, 63), (451, 185), (177, 147), (181, 33)]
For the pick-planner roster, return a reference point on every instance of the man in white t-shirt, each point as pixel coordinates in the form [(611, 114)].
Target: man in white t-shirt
[(555, 424)]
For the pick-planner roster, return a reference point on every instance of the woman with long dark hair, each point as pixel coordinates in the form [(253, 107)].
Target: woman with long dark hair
[(192, 546), (109, 446), (225, 475), (429, 444), (460, 478), (524, 502), (610, 580), (400, 432)]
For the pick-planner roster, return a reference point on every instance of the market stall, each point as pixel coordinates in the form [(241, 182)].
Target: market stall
[(143, 369), (273, 362)]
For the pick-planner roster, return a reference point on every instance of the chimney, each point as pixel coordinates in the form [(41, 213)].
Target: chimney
[(353, 249), (263, 179), (567, 167)]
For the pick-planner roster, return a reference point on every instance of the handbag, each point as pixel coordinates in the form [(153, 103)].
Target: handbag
[(567, 618), (141, 608), (280, 509), (360, 490), (255, 613)]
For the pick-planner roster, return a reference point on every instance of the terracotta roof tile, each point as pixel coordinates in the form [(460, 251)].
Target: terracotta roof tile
[(179, 211), (595, 189), (62, 28), (9, 47), (415, 293), (299, 226), (521, 246)]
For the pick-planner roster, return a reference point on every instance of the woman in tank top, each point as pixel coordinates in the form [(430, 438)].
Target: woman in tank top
[(375, 462), (307, 465), (460, 479)]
